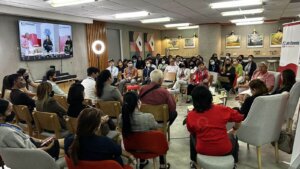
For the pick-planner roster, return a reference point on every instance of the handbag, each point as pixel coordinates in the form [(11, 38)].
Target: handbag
[(286, 141)]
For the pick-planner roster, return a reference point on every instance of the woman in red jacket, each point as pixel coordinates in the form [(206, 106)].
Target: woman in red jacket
[(200, 77), (207, 126)]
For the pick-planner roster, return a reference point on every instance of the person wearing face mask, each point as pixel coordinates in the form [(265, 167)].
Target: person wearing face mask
[(214, 65), (134, 61), (17, 96), (29, 82), (146, 72), (250, 67), (228, 71), (182, 77), (240, 59), (89, 84), (238, 70), (121, 68), (140, 63), (130, 75), (172, 67), (193, 67), (46, 103), (200, 77), (162, 66), (114, 71), (51, 78)]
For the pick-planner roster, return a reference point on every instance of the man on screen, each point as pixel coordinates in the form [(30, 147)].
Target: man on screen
[(69, 46), (47, 44)]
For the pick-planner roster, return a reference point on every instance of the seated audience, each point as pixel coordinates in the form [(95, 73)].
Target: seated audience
[(114, 71), (17, 96), (183, 76), (29, 82), (132, 120), (154, 94), (193, 67), (163, 65), (228, 71), (171, 67), (178, 59), (88, 143), (89, 84), (105, 91), (157, 60), (75, 100), (140, 64), (130, 76), (207, 126), (13, 136), (51, 77), (240, 59), (5, 86), (134, 61), (214, 65), (288, 78), (121, 69), (238, 70), (250, 67), (46, 103), (146, 72), (200, 77), (258, 88)]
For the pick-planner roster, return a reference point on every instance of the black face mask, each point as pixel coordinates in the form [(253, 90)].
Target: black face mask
[(51, 94), (181, 66)]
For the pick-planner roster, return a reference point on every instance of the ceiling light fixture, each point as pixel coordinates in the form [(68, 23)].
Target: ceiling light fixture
[(234, 4), (188, 27), (156, 20), (242, 12), (250, 23), (176, 25), (132, 14), (247, 20), (60, 3)]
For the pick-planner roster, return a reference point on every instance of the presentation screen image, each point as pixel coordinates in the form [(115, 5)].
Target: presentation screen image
[(42, 41)]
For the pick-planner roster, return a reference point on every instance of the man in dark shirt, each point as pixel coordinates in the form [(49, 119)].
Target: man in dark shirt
[(17, 96)]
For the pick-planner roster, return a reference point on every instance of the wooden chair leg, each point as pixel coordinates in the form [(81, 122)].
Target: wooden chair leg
[(276, 152), (154, 164), (258, 149)]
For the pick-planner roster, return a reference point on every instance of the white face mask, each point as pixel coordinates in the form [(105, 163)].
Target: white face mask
[(212, 62), (163, 62), (250, 60), (148, 65), (227, 57)]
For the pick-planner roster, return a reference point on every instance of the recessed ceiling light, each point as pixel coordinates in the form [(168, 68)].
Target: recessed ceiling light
[(132, 14), (247, 20), (188, 27), (242, 12), (176, 25), (233, 4), (60, 3), (250, 23), (156, 20)]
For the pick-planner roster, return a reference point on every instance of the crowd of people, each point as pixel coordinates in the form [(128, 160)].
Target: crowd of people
[(92, 141)]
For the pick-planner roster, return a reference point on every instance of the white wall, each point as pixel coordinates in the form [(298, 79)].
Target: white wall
[(10, 54)]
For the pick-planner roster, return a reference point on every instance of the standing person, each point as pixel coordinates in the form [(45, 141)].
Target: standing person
[(51, 78), (130, 75), (154, 94), (162, 66), (200, 77), (228, 71), (146, 72), (183, 76), (89, 84), (47, 44), (114, 71), (207, 126), (171, 67), (17, 96), (46, 103), (250, 67)]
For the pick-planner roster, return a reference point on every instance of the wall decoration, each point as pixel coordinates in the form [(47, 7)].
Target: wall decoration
[(136, 43), (255, 40), (233, 41), (189, 42), (173, 44), (149, 43), (276, 39)]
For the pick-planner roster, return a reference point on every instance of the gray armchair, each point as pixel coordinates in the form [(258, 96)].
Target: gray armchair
[(292, 104), (263, 123), (19, 158), (277, 78)]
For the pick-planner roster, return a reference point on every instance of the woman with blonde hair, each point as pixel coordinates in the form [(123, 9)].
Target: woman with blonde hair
[(46, 103)]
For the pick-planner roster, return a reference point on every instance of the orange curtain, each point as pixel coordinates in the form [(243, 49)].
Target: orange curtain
[(97, 31)]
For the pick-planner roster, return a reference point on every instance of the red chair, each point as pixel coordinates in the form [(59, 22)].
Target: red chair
[(291, 66), (133, 87), (104, 164), (146, 145)]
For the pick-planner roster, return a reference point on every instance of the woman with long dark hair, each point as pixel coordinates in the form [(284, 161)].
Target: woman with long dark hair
[(105, 91), (288, 80), (207, 126), (75, 100), (133, 120), (88, 143)]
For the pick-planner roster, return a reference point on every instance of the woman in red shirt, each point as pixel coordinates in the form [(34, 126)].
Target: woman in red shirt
[(200, 77), (207, 126)]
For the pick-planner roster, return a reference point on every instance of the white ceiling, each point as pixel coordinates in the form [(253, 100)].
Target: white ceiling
[(193, 11)]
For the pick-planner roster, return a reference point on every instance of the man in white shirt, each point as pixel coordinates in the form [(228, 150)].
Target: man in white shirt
[(89, 84), (172, 67), (51, 78), (114, 71)]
